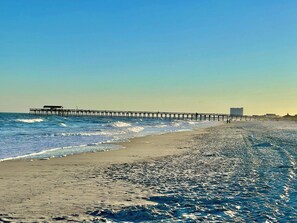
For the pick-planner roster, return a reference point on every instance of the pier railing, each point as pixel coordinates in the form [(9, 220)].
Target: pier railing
[(138, 114)]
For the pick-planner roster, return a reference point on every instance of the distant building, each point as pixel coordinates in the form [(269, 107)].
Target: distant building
[(236, 111), (271, 115)]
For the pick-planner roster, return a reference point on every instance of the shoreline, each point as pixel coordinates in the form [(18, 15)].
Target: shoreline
[(42, 189), (179, 176), (121, 144), (110, 145)]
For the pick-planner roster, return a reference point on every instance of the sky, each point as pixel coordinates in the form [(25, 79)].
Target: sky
[(156, 55)]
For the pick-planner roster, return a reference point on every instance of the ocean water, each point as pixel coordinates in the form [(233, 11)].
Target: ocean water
[(30, 136)]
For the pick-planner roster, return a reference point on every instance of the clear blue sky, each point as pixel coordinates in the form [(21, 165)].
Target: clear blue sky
[(170, 55)]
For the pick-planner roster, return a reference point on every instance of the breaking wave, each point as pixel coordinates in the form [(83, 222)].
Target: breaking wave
[(136, 129), (120, 124), (30, 120), (64, 151)]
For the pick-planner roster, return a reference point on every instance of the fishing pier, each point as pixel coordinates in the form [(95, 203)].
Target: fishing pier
[(60, 111)]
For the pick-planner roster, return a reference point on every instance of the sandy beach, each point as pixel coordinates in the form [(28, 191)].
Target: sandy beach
[(45, 190), (223, 173)]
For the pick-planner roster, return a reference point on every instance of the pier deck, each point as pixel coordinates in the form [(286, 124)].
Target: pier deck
[(137, 114)]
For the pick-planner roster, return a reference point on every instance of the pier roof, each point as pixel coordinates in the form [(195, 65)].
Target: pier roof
[(52, 106)]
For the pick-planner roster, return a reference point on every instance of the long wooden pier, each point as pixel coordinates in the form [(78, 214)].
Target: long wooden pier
[(60, 111)]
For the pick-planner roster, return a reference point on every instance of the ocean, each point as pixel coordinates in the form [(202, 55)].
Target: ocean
[(30, 136)]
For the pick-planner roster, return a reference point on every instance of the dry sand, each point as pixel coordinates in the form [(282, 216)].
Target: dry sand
[(67, 188)]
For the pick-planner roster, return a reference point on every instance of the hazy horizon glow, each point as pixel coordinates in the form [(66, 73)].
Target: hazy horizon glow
[(204, 56)]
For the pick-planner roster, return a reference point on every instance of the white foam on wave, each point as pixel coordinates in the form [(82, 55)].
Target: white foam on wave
[(176, 124), (67, 150), (96, 133), (121, 124), (83, 134), (30, 120), (136, 129), (106, 133), (161, 126), (63, 124), (30, 155)]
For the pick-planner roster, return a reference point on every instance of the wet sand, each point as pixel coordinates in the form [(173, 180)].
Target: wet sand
[(240, 172), (69, 188)]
